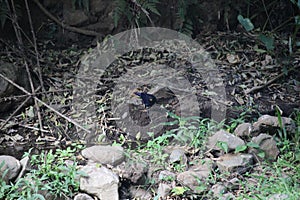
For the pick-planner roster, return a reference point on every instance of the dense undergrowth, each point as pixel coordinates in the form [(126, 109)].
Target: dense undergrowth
[(56, 171)]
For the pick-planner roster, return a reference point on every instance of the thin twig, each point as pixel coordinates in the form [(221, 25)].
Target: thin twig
[(14, 20), (16, 110), (13, 114), (34, 128), (35, 46), (44, 104), (256, 88), (37, 107)]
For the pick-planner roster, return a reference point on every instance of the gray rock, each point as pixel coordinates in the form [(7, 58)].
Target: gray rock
[(136, 172), (227, 196), (218, 190), (166, 175), (239, 163), (163, 190), (270, 124), (268, 145), (82, 196), (233, 184), (74, 17), (223, 136), (243, 130), (191, 179), (177, 155), (11, 166), (100, 182), (278, 197), (139, 193), (203, 167), (112, 155), (98, 6)]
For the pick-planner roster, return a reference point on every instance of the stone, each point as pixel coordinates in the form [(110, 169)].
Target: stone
[(243, 130), (192, 180), (139, 193), (166, 176), (270, 124), (11, 166), (111, 155), (227, 196), (136, 172), (82, 196), (203, 167), (222, 136), (178, 156), (99, 181), (98, 6), (239, 163), (75, 17), (218, 190), (268, 145), (163, 190), (278, 197)]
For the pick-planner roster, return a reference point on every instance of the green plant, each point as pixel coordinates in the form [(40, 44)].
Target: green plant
[(187, 16), (284, 179), (243, 148), (179, 167), (178, 191), (234, 122), (155, 147), (223, 146), (81, 4), (50, 173), (3, 13), (3, 186), (136, 13), (191, 131)]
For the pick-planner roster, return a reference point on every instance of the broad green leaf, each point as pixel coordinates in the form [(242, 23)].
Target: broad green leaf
[(240, 148), (223, 146), (253, 145), (179, 190), (246, 23), (268, 41), (297, 20)]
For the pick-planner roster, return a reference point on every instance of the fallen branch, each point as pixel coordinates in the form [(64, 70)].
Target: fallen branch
[(65, 26), (44, 104), (256, 88)]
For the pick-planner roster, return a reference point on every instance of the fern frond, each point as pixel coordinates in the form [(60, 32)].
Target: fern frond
[(151, 6), (120, 7)]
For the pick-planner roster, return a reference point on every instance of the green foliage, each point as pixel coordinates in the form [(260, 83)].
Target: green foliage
[(187, 16), (284, 180), (50, 173), (243, 148), (246, 23), (268, 41), (223, 146), (136, 13), (178, 191), (3, 13), (192, 131), (240, 148), (81, 4)]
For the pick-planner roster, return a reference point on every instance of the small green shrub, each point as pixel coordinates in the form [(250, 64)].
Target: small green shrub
[(50, 173)]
